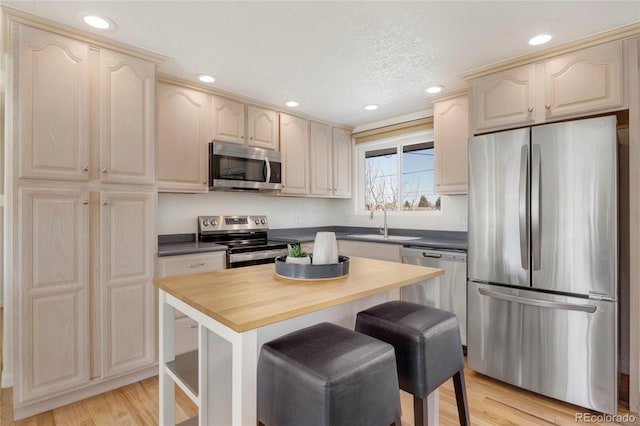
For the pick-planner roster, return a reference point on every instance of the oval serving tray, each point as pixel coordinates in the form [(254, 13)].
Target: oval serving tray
[(312, 272)]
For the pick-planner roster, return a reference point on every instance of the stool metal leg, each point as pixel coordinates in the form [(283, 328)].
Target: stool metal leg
[(420, 411), (461, 398)]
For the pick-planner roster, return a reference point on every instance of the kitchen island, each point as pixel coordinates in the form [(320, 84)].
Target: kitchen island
[(237, 310)]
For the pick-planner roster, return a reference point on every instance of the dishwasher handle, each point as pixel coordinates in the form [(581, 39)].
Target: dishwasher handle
[(431, 255)]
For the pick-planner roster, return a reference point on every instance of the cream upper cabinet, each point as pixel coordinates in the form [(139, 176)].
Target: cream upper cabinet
[(126, 270), (127, 119), (584, 82), (451, 132), (588, 80), (184, 132), (294, 145), (262, 128), (320, 164), (228, 120), (504, 99), (54, 335), (341, 163), (53, 106)]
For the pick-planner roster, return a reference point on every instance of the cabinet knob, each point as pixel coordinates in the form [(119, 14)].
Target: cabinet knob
[(192, 325), (105, 203), (251, 138), (105, 170), (530, 109), (195, 265), (547, 106), (85, 201), (85, 168), (204, 181)]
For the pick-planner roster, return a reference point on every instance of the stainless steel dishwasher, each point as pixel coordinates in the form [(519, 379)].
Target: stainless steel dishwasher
[(452, 291)]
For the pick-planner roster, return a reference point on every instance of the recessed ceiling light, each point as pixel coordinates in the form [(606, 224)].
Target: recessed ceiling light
[(371, 107), (291, 103), (540, 39), (205, 78), (434, 89), (98, 22)]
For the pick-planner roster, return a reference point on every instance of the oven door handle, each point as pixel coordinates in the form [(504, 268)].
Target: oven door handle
[(256, 255)]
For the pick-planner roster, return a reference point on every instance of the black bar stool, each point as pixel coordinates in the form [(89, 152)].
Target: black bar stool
[(428, 350), (327, 375)]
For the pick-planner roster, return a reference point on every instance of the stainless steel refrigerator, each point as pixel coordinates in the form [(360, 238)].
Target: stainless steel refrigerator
[(542, 260)]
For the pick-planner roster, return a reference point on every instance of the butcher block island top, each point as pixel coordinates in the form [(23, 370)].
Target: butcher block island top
[(251, 297)]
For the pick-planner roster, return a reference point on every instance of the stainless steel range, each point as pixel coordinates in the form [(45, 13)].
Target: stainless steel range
[(246, 237)]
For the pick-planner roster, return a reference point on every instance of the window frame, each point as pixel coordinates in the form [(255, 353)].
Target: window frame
[(391, 142)]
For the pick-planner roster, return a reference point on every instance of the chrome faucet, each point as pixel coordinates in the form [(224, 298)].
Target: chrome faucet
[(385, 230)]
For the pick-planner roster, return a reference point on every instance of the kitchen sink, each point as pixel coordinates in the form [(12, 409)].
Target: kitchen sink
[(381, 237)]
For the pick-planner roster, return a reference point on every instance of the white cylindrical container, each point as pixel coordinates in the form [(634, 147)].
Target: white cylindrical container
[(325, 248)]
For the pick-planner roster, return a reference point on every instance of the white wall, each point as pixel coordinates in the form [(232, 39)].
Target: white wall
[(177, 213)]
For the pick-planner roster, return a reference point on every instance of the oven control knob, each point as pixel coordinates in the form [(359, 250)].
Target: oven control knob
[(263, 221), (205, 222), (214, 222), (257, 221)]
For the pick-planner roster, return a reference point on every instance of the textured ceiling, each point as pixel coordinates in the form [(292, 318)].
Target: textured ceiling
[(335, 57)]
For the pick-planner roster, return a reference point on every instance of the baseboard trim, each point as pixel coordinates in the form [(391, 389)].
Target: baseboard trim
[(30, 409)]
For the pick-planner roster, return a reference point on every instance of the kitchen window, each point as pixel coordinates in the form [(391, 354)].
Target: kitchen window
[(398, 173)]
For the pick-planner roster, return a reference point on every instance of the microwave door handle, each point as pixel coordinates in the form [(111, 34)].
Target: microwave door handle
[(267, 166)]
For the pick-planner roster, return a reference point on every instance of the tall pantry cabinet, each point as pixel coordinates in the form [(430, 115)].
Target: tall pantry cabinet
[(81, 160)]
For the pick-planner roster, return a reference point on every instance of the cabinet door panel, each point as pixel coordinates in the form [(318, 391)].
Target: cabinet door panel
[(294, 145), (451, 119), (54, 249), (228, 120), (183, 137), (127, 269), (127, 120), (53, 100), (320, 144), (341, 163), (504, 99), (262, 128), (585, 81)]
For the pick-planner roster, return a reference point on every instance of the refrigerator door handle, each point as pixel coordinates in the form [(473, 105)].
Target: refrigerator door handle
[(535, 205), (537, 302), (523, 195)]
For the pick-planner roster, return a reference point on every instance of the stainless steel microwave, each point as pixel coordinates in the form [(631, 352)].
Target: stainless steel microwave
[(245, 168)]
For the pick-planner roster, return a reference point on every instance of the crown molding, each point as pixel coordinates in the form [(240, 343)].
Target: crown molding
[(628, 31)]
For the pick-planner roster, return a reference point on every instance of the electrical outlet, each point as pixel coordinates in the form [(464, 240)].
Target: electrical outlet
[(462, 220), (297, 217)]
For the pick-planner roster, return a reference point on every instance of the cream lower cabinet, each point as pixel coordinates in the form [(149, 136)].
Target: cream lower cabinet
[(294, 145), (54, 334), (380, 251), (451, 132), (76, 327), (185, 329), (587, 81), (128, 297), (184, 133)]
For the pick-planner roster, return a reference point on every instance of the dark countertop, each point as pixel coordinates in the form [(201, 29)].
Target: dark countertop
[(447, 240), (177, 244)]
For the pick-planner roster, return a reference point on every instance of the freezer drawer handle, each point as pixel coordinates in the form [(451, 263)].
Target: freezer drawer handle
[(537, 302)]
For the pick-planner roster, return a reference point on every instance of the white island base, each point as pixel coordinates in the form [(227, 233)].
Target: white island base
[(221, 376)]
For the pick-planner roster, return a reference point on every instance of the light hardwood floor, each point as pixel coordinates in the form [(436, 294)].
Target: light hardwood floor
[(490, 403)]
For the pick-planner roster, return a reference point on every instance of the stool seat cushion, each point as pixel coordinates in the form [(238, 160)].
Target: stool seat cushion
[(327, 375), (426, 340)]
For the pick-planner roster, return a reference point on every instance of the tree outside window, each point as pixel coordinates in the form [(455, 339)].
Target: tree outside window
[(401, 178)]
